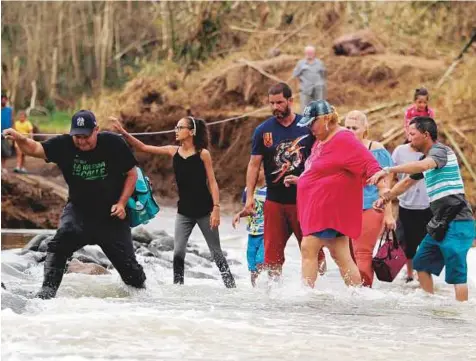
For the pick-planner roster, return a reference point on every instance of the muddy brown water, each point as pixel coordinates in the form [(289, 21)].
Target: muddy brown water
[(10, 241)]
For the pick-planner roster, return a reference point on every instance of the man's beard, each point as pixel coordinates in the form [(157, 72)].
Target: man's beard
[(281, 115)]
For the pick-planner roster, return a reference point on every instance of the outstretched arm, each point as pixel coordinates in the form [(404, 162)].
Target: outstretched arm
[(27, 145), (409, 168), (398, 189), (140, 146)]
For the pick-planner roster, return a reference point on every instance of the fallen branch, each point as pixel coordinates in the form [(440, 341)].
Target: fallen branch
[(390, 131), (286, 38), (456, 61), (392, 137), (261, 70), (391, 115), (460, 152), (136, 44), (266, 32), (460, 133), (377, 109)]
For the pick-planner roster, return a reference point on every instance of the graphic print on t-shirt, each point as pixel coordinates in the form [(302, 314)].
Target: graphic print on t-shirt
[(89, 171), (288, 157)]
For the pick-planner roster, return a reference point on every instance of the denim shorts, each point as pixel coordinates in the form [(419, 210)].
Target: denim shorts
[(451, 252), (327, 233)]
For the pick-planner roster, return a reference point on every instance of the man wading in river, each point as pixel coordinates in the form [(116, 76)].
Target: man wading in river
[(100, 171), (451, 230), (282, 146)]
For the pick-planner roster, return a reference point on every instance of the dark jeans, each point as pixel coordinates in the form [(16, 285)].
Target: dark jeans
[(75, 231)]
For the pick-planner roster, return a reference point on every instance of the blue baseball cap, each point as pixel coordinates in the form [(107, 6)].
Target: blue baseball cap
[(83, 123), (315, 109)]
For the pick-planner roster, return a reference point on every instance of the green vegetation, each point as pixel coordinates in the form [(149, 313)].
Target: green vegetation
[(56, 122)]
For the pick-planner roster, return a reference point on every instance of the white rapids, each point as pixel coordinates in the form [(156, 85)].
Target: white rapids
[(98, 318)]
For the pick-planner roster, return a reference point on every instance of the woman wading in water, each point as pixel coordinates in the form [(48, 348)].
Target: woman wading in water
[(199, 196)]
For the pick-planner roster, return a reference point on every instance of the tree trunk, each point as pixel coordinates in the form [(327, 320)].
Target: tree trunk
[(15, 78), (54, 72), (164, 14), (60, 34), (104, 44), (33, 95), (74, 49)]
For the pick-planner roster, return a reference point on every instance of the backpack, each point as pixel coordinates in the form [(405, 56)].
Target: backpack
[(141, 206)]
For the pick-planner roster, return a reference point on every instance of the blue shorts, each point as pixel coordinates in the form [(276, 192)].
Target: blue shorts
[(327, 233), (255, 251), (451, 252)]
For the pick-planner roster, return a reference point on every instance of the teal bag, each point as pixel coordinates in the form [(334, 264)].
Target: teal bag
[(141, 206)]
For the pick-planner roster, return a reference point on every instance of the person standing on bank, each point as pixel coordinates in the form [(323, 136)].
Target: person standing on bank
[(311, 73), (199, 196), (100, 171), (451, 230), (283, 147), (7, 120)]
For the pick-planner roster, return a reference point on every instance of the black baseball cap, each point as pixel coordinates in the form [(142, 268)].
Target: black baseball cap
[(315, 109), (83, 123)]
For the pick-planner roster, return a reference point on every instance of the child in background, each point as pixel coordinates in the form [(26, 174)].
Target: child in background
[(255, 228), (419, 108), (23, 126)]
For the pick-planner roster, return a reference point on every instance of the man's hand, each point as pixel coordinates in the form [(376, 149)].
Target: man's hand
[(215, 218), (12, 134), (376, 177), (290, 179), (116, 125), (118, 210)]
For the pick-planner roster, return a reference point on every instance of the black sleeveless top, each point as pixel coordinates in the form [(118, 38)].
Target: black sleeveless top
[(195, 200)]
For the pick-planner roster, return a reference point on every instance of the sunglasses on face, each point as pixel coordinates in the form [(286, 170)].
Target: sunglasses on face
[(352, 128), (180, 127)]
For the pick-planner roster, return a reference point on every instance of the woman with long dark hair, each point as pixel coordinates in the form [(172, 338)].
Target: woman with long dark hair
[(199, 196)]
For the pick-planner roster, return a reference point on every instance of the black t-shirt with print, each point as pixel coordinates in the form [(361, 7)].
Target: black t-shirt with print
[(95, 178)]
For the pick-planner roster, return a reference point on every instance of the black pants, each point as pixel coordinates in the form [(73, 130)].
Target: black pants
[(411, 228), (75, 231)]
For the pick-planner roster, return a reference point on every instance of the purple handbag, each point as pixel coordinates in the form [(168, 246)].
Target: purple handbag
[(389, 259)]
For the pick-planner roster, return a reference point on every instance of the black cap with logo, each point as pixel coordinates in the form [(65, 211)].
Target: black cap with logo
[(83, 123)]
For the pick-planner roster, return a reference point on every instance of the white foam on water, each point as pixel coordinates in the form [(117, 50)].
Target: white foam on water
[(98, 318)]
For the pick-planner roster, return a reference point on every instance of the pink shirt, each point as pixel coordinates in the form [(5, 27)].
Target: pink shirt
[(329, 191), (412, 112)]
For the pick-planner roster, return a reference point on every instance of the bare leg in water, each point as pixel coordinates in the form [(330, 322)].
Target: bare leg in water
[(426, 282), (340, 252)]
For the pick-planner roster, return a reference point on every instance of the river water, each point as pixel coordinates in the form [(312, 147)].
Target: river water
[(97, 318)]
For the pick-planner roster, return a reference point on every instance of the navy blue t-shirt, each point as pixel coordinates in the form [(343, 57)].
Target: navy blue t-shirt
[(284, 151)]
